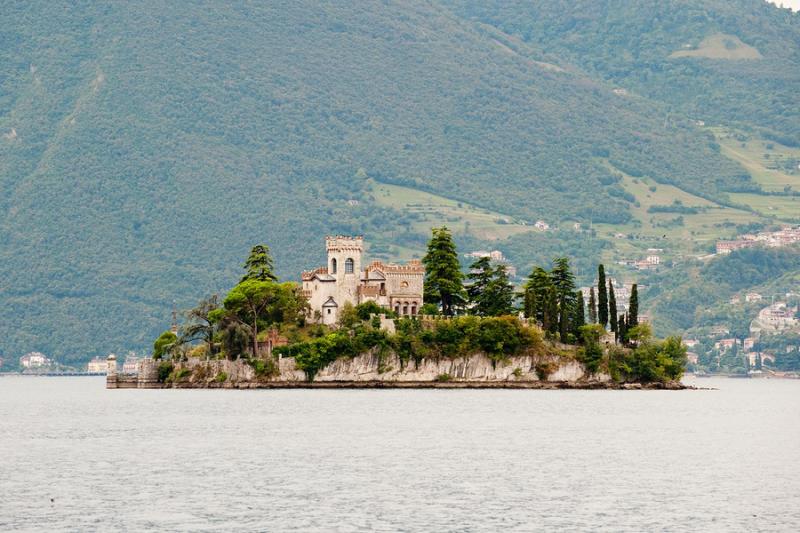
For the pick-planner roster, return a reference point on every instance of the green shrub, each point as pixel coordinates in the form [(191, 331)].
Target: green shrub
[(443, 378), (518, 372), (221, 377), (165, 368), (264, 368), (179, 374)]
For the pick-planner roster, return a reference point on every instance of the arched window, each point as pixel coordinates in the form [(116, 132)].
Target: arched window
[(404, 284), (333, 266), (348, 266)]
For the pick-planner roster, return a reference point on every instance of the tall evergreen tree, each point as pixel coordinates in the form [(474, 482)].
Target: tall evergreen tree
[(536, 294), (622, 327), (489, 290), (501, 293), (612, 307), (602, 297), (592, 307), (633, 308), (579, 315), (550, 310), (259, 264), (564, 283), (443, 276), (564, 314)]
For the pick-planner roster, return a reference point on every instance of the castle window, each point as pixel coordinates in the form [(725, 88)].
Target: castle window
[(348, 266), (404, 284), (333, 266)]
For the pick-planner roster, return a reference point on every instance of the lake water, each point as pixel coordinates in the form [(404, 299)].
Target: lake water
[(398, 460)]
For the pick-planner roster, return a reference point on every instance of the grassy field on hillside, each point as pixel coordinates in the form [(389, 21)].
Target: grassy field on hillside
[(720, 46), (436, 210), (783, 208), (765, 160), (676, 233)]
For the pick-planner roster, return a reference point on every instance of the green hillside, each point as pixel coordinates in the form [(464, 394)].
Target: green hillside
[(145, 147), (730, 62)]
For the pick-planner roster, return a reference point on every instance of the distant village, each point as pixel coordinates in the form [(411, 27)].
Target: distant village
[(776, 320), (773, 239)]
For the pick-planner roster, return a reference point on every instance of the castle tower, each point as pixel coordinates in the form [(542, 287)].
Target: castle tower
[(344, 264)]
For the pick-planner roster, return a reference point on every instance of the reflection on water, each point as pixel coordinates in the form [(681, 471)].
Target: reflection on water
[(398, 460)]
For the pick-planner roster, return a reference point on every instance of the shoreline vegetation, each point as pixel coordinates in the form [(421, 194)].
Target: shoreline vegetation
[(475, 330)]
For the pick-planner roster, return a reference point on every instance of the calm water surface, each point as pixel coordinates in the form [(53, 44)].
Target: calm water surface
[(438, 460)]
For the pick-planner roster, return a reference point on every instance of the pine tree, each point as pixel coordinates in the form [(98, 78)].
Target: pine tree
[(535, 294), (490, 292), (612, 307), (633, 308), (443, 277), (564, 283), (259, 264), (592, 307), (602, 297), (478, 280), (501, 293)]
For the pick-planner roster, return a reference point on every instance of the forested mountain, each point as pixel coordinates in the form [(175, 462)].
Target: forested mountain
[(734, 62), (144, 147)]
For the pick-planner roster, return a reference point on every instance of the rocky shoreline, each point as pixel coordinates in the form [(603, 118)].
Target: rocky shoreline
[(541, 385), (373, 371)]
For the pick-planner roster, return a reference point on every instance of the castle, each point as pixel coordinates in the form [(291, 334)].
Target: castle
[(393, 286)]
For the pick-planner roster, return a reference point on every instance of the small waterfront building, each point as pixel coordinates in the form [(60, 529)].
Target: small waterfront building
[(98, 365), (397, 287), (34, 360)]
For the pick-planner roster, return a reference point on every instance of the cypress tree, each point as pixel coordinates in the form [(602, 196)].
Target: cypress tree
[(550, 312), (592, 307), (579, 316), (564, 313), (602, 297), (633, 308), (612, 307), (443, 277), (622, 325)]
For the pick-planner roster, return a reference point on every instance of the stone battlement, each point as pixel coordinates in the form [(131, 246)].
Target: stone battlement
[(343, 242)]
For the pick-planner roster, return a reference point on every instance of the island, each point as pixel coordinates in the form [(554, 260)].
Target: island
[(424, 324)]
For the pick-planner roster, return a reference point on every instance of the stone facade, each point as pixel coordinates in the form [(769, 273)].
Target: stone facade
[(342, 280)]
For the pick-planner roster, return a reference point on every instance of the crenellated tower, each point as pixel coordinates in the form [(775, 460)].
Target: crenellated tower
[(344, 264)]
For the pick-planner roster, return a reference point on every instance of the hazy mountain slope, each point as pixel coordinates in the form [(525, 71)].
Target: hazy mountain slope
[(686, 53), (144, 148)]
